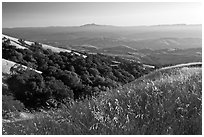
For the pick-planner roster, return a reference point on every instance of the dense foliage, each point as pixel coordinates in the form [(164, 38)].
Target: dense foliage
[(65, 75), (167, 102)]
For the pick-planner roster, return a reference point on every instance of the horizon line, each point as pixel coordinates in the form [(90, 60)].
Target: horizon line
[(94, 24)]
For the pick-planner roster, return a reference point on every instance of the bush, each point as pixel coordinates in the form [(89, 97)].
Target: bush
[(28, 88), (58, 90)]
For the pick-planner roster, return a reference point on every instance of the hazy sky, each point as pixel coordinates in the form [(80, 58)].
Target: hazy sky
[(120, 14)]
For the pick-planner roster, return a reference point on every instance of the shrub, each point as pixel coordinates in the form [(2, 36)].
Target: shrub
[(28, 88), (58, 90)]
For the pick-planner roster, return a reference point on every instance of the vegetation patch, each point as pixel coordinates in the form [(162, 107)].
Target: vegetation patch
[(169, 103)]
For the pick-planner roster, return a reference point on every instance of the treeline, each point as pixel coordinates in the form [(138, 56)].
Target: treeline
[(64, 75)]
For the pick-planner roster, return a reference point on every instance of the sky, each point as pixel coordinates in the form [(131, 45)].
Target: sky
[(38, 14)]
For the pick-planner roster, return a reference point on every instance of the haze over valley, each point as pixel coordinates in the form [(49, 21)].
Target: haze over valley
[(111, 68), (158, 44)]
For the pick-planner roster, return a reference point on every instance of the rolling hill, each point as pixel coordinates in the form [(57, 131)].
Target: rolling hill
[(26, 44), (161, 57), (167, 101)]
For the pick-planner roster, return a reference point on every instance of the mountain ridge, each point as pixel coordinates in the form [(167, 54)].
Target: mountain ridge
[(95, 24)]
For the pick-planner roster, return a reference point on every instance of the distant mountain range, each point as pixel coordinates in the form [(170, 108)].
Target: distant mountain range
[(105, 36)]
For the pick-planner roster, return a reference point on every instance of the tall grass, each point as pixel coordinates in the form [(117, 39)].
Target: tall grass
[(167, 102)]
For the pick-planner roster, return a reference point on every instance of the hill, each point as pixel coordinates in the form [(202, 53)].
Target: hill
[(167, 101), (18, 44), (161, 57), (165, 71), (74, 74)]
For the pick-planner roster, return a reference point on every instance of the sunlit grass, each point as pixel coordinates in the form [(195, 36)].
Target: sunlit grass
[(166, 102)]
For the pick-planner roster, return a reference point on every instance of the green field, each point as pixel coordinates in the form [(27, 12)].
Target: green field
[(164, 102)]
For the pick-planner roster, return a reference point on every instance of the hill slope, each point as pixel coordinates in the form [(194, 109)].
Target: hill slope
[(7, 65), (165, 103), (75, 75), (15, 42)]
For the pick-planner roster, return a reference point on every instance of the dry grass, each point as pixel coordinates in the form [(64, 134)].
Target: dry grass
[(168, 102)]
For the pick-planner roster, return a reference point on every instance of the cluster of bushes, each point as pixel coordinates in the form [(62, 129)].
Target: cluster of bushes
[(171, 104), (9, 104), (65, 75)]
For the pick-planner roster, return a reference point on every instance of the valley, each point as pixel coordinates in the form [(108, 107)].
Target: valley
[(101, 68)]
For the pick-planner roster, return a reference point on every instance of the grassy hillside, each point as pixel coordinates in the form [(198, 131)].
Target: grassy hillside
[(164, 102), (15, 42), (7, 65)]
